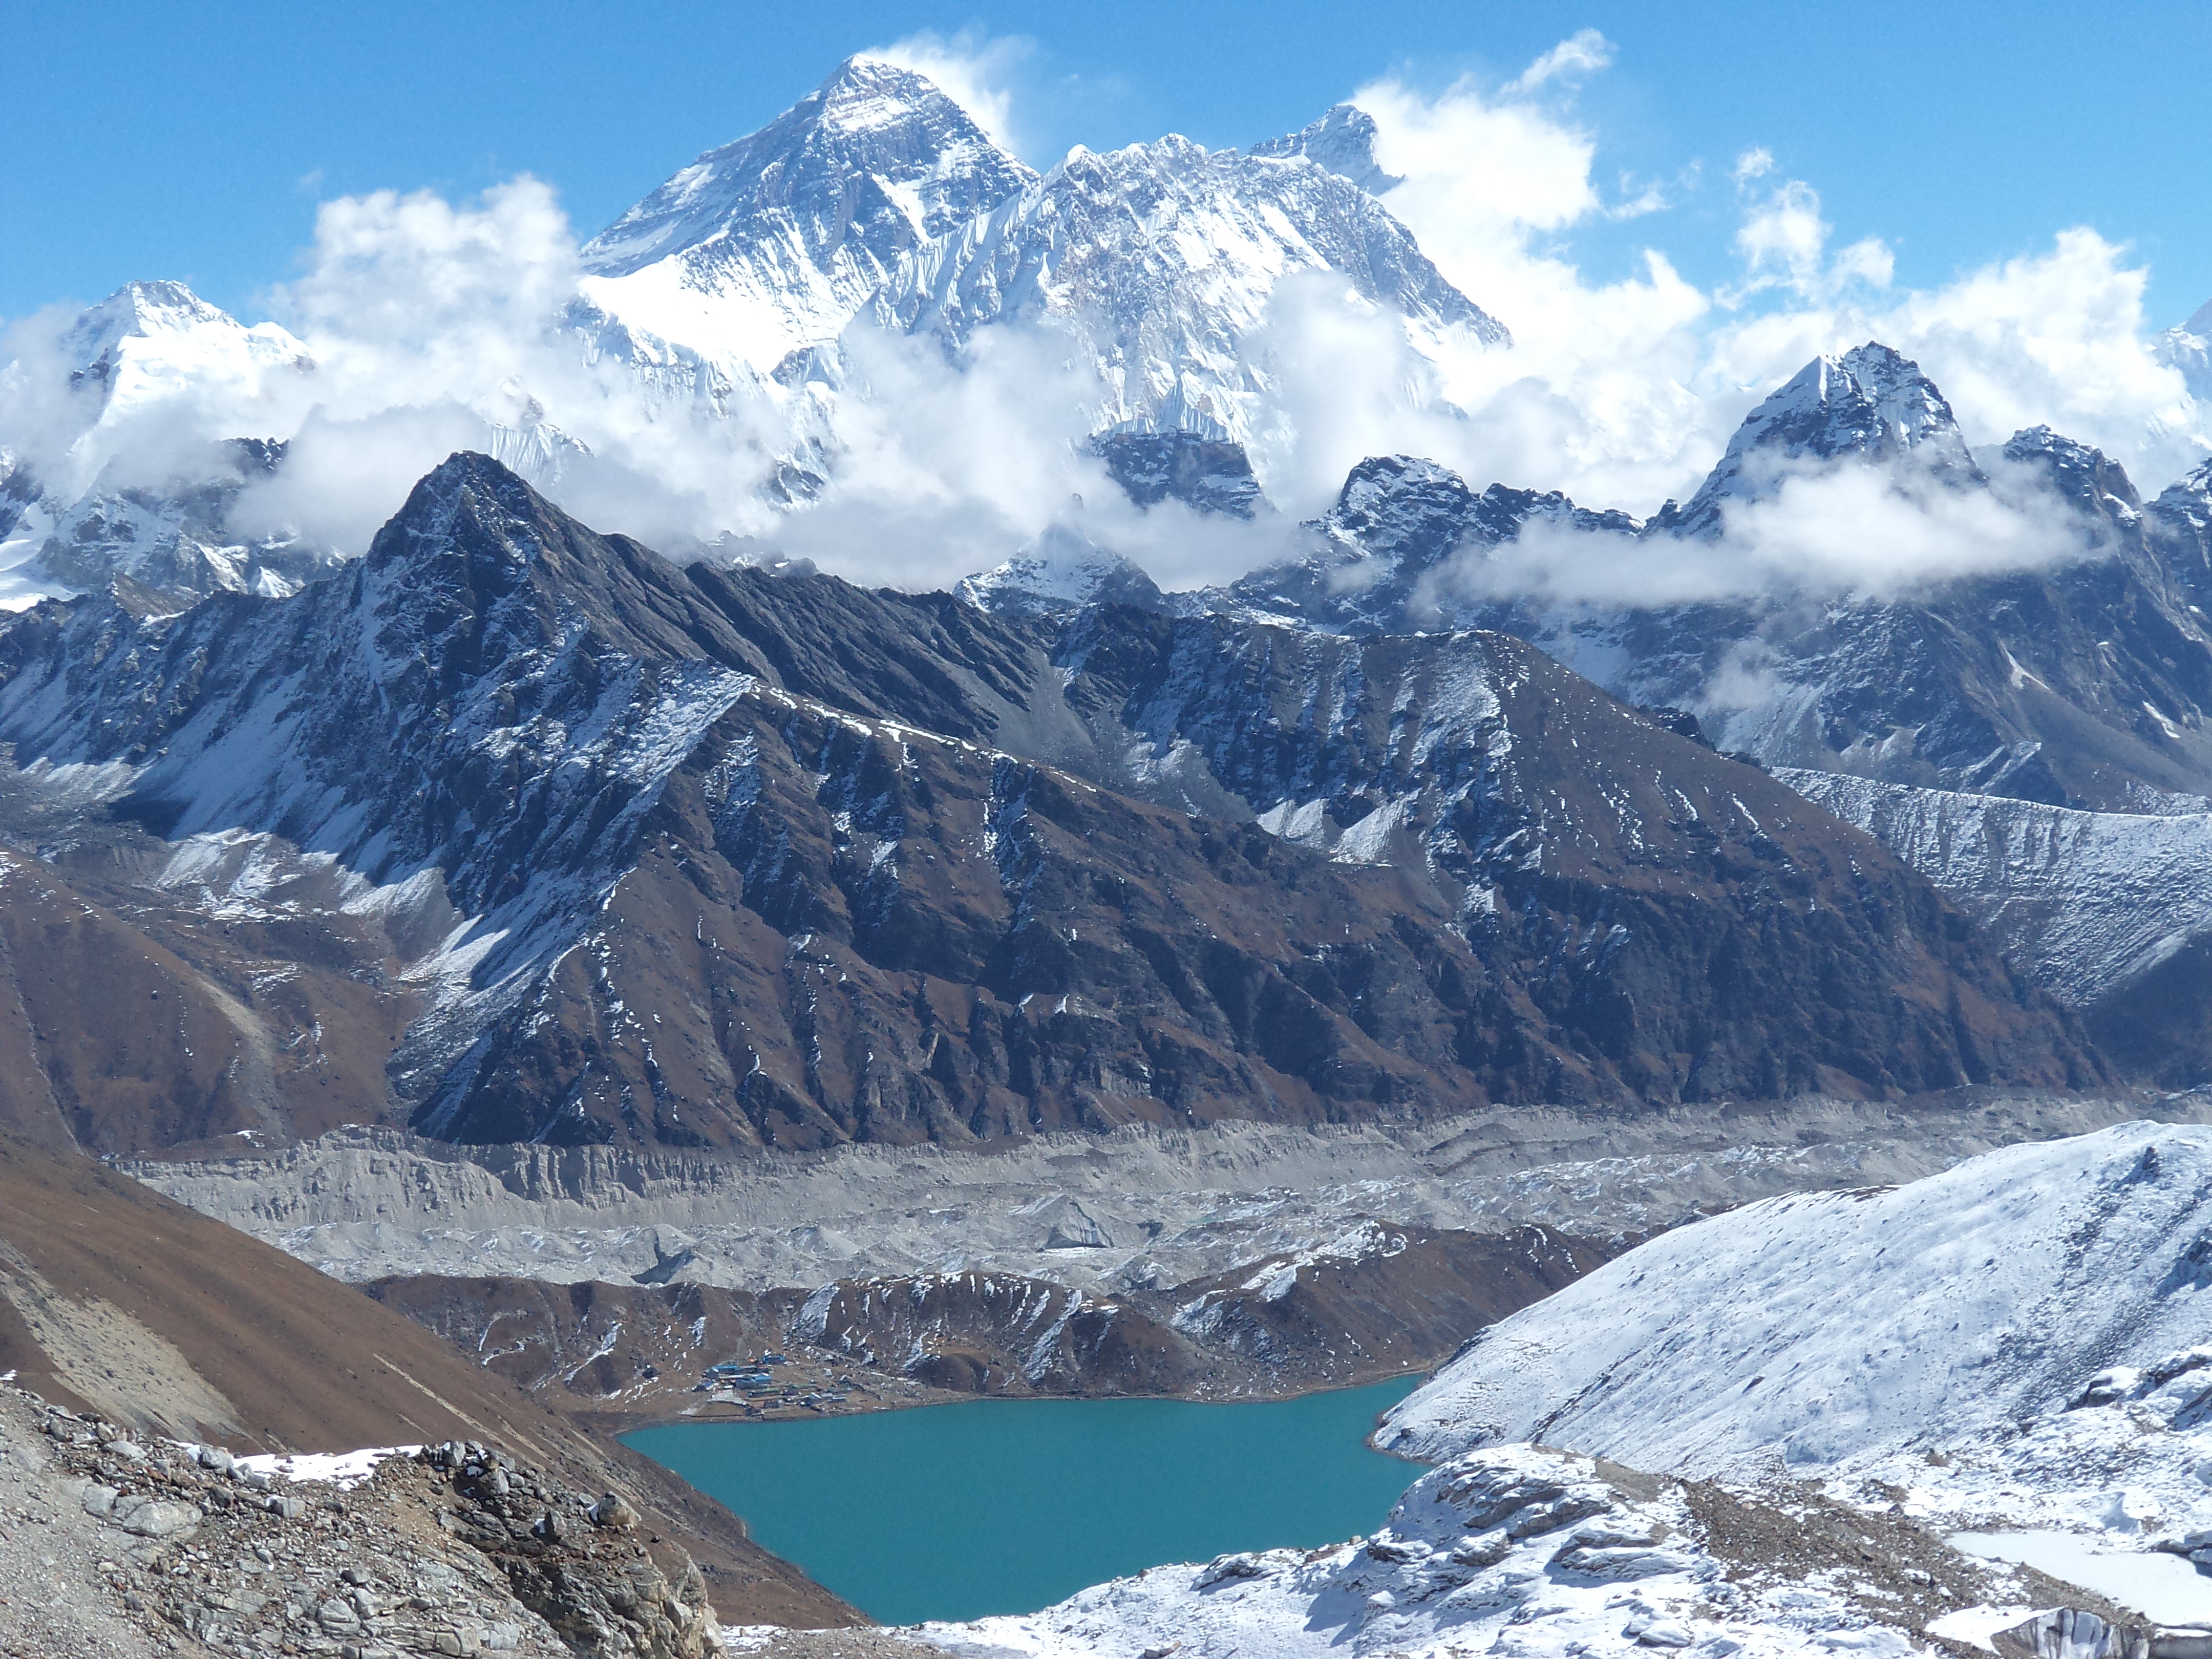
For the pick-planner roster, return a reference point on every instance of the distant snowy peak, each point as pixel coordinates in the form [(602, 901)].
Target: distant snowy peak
[(1342, 141), (92, 513), (2082, 474), (2189, 349), (1062, 571), (772, 243), (1872, 404), (147, 341), (1161, 257), (2188, 502)]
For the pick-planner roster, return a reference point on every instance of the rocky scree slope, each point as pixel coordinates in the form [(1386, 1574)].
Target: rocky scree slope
[(1130, 1209), (723, 856), (119, 1304), (451, 1550), (2083, 684), (1371, 1303)]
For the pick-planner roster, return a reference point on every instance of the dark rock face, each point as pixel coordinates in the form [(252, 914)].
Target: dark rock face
[(1212, 475), (732, 857), (2181, 522), (1383, 557)]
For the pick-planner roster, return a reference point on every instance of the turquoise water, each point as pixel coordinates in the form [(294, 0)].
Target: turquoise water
[(1010, 1505)]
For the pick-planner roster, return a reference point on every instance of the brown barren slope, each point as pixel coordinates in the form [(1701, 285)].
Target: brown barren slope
[(114, 1299)]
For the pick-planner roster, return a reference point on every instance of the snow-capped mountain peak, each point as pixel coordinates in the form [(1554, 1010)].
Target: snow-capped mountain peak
[(151, 340), (771, 243), (1342, 141), (2189, 349), (1871, 403), (1162, 258), (1062, 570)]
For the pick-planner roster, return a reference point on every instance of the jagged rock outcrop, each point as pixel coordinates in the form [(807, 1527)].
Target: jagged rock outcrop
[(459, 1549), (1206, 473)]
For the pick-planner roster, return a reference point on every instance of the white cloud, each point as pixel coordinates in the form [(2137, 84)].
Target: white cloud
[(976, 71), (1623, 393), (1584, 52), (1845, 531)]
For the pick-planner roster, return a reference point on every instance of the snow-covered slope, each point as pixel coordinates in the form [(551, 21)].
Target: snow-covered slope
[(148, 343), (2189, 349), (1062, 571), (770, 244), (153, 418), (2020, 1339), (1161, 258), (1537, 1554), (1828, 1387), (2086, 901), (1343, 140)]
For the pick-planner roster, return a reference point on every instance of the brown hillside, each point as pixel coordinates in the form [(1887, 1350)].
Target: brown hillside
[(115, 1300)]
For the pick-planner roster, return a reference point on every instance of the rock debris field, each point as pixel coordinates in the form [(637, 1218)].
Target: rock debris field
[(111, 1547)]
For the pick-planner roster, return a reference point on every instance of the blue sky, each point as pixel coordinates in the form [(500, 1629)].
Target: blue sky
[(194, 141)]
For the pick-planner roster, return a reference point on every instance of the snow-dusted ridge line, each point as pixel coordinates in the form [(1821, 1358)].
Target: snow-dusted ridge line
[(772, 243), (2016, 1341)]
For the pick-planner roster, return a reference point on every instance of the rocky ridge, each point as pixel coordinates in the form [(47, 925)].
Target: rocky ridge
[(732, 857), (1371, 1303), (769, 245), (1161, 259)]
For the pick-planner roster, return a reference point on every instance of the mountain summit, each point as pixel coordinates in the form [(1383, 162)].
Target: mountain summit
[(1871, 403), (772, 243)]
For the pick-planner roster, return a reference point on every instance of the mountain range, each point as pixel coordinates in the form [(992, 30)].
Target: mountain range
[(1494, 920), (1351, 834)]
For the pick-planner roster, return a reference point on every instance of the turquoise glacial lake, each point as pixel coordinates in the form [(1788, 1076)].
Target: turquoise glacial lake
[(1009, 1505)]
